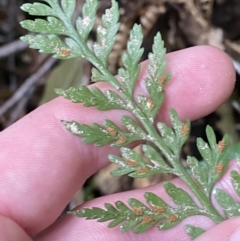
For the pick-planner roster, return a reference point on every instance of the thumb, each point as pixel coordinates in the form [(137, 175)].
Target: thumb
[(228, 230)]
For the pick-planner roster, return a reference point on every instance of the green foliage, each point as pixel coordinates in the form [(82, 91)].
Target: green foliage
[(86, 23), (157, 80), (133, 164), (108, 100), (214, 158), (131, 59), (106, 34), (92, 134), (229, 206), (45, 45), (59, 35), (193, 232), (38, 9), (137, 216), (236, 181)]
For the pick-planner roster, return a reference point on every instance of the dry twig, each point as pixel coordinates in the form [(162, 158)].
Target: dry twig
[(29, 82)]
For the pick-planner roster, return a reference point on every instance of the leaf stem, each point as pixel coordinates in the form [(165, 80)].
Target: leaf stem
[(87, 53), (205, 201)]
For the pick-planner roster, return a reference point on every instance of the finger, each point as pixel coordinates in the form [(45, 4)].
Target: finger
[(226, 231), (76, 229), (42, 165), (195, 87), (10, 231)]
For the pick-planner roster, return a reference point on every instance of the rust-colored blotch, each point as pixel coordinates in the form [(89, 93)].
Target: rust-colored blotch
[(111, 131), (162, 79), (147, 219), (219, 168), (121, 140), (221, 146), (64, 52), (150, 104), (185, 130), (172, 218), (138, 211), (131, 162), (158, 209), (143, 170)]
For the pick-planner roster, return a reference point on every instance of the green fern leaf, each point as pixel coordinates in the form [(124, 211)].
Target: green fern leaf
[(168, 136), (168, 216), (97, 76), (135, 166), (146, 105), (182, 130), (199, 172), (51, 2), (229, 206), (173, 220), (106, 33), (38, 9), (205, 151), (214, 156), (157, 62), (130, 162), (235, 177), (131, 59), (91, 134), (85, 24), (156, 159), (158, 78), (146, 218), (52, 45), (107, 100), (211, 137), (180, 197), (133, 127), (122, 137), (193, 232), (51, 26), (68, 7)]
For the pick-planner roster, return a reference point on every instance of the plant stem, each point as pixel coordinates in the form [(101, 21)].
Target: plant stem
[(87, 53), (206, 203)]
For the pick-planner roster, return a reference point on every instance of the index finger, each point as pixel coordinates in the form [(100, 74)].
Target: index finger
[(42, 165)]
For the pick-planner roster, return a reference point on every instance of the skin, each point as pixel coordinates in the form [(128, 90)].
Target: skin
[(42, 165)]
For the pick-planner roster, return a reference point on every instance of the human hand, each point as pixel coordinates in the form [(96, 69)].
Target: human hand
[(42, 165)]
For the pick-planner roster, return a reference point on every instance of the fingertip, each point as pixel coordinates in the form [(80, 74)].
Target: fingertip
[(201, 80), (224, 231)]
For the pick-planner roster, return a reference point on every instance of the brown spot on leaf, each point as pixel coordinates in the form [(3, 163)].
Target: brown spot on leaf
[(111, 131), (138, 211), (221, 146), (185, 130), (131, 162), (150, 104), (172, 218), (142, 170), (219, 168), (158, 209), (147, 219), (121, 140), (162, 79), (64, 52)]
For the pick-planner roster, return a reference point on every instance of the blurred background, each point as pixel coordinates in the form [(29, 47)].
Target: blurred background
[(28, 79)]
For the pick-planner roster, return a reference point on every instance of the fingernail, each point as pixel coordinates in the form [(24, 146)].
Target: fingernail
[(235, 236)]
